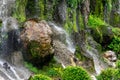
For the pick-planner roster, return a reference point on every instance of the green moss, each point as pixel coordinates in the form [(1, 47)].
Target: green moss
[(115, 20), (40, 77), (34, 49), (42, 7), (75, 73), (70, 24), (19, 11), (109, 74), (95, 21), (0, 23), (115, 43), (53, 69), (98, 27), (99, 8)]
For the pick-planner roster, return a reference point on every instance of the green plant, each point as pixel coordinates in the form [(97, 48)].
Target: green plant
[(94, 22), (115, 43), (109, 74), (73, 3), (53, 72), (75, 73), (31, 68), (19, 10), (118, 64), (40, 77)]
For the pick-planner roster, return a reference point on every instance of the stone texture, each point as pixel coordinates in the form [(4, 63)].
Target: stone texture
[(36, 38), (63, 55), (110, 58)]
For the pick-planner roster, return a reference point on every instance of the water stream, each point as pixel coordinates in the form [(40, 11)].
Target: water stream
[(8, 39), (68, 41)]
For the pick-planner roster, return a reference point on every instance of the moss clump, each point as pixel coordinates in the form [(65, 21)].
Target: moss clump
[(115, 43), (70, 24), (95, 21), (42, 7), (19, 10), (75, 73), (118, 65), (98, 27), (109, 74), (40, 77)]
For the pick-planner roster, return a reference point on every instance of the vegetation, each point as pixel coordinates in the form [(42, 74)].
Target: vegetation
[(75, 73), (95, 22), (40, 77), (109, 74), (103, 14), (115, 44)]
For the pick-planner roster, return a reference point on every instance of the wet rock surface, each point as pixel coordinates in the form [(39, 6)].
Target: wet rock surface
[(63, 55)]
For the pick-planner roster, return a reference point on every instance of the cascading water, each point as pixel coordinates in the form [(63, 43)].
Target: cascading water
[(68, 41), (9, 39)]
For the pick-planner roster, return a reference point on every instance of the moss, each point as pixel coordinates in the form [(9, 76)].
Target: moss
[(98, 27), (0, 23), (75, 73), (42, 7), (99, 9), (19, 11), (33, 49), (70, 24), (40, 77), (109, 74), (115, 20)]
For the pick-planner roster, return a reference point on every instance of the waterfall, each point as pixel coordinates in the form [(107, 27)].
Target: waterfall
[(9, 43), (98, 64), (68, 41)]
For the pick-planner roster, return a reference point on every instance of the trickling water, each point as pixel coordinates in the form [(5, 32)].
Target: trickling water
[(5, 8), (70, 45), (9, 39), (98, 65)]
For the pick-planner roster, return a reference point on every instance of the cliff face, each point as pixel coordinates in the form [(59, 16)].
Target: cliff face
[(90, 23)]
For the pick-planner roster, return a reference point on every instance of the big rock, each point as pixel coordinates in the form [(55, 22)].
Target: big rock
[(110, 58), (36, 37)]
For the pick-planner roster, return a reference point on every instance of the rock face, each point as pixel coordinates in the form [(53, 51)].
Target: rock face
[(63, 55), (110, 58), (36, 38), (17, 58)]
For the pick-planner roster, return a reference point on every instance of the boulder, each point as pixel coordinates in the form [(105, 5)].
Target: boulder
[(63, 55), (36, 37), (110, 58)]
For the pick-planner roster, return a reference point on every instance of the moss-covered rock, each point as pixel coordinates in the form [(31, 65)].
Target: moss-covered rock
[(37, 40)]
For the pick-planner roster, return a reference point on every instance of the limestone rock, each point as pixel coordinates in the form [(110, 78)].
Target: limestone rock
[(63, 55), (36, 38), (110, 58)]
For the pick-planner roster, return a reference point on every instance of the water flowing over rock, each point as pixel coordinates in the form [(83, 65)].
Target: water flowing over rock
[(63, 55), (63, 46), (37, 40), (11, 67), (61, 35), (6, 8)]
